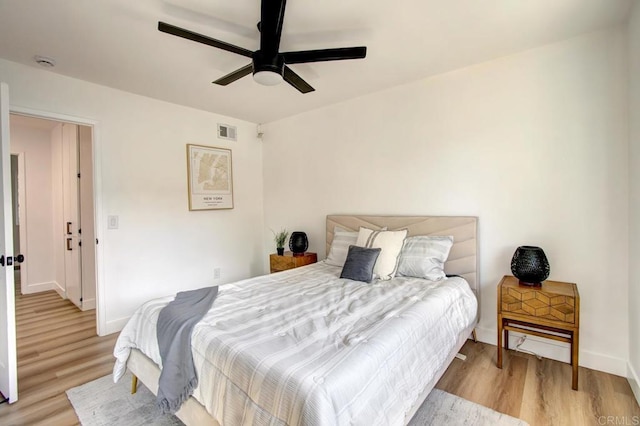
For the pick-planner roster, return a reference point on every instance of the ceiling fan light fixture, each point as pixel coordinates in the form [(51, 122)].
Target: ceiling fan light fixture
[(267, 78), (268, 71), (268, 64)]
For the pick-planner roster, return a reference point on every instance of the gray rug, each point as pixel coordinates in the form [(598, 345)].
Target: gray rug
[(442, 408), (103, 402)]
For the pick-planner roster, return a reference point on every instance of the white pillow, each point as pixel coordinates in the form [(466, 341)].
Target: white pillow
[(424, 256), (391, 244), (342, 239)]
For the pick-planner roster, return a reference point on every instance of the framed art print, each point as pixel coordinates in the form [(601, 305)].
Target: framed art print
[(210, 177)]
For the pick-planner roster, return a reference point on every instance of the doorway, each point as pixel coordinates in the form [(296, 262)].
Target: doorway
[(17, 200), (54, 208)]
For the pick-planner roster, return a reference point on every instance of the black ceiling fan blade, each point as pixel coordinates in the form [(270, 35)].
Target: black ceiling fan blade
[(190, 35), (271, 22), (233, 76), (320, 55), (296, 81)]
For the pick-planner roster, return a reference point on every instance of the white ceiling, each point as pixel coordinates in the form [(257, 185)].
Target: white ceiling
[(116, 43)]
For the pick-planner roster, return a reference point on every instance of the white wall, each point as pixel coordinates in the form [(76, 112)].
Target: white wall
[(634, 195), (160, 247), (34, 143), (534, 144)]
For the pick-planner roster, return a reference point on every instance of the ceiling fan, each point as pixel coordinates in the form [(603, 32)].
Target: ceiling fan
[(269, 66)]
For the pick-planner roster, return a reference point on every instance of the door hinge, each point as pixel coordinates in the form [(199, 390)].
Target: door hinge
[(81, 299), (96, 241), (79, 243), (78, 175), (79, 230)]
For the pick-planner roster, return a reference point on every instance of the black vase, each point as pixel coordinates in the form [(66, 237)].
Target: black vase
[(280, 251), (298, 243), (530, 265)]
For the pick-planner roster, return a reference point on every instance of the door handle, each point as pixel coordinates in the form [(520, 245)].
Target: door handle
[(69, 244), (68, 228), (10, 260)]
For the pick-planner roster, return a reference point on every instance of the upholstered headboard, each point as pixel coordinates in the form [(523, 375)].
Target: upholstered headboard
[(463, 258)]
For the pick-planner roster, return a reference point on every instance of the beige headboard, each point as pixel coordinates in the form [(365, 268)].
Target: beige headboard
[(463, 259)]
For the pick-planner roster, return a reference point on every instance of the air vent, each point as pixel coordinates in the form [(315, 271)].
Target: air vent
[(227, 132)]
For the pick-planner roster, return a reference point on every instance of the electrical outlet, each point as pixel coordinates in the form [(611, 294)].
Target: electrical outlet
[(216, 273)]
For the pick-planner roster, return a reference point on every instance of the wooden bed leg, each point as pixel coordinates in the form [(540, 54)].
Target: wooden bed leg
[(473, 335), (134, 384)]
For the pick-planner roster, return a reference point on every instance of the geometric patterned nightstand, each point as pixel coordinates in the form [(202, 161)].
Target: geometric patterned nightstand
[(288, 261), (552, 307)]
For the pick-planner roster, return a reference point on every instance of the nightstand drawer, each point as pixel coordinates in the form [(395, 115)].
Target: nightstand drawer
[(538, 303), (289, 261)]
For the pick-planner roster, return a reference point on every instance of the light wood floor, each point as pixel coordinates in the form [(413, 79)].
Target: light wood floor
[(539, 392), (58, 349)]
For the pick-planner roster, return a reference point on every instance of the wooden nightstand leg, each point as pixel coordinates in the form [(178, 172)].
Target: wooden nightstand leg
[(499, 361), (574, 359), (473, 335), (506, 340)]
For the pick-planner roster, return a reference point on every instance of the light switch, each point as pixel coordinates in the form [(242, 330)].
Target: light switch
[(112, 222)]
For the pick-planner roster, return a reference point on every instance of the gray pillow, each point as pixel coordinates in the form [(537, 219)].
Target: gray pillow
[(359, 264)]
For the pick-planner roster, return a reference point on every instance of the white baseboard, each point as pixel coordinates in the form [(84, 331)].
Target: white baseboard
[(115, 326), (559, 351), (603, 362), (38, 287), (634, 381), (61, 291), (88, 304)]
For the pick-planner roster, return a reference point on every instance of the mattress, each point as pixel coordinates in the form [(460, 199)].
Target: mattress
[(304, 347)]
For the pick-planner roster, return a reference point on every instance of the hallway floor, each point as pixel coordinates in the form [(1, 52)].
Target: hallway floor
[(58, 348)]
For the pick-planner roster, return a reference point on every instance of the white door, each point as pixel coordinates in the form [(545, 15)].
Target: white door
[(72, 260), (8, 363), (88, 234)]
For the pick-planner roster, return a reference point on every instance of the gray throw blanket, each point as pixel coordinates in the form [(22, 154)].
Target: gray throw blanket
[(178, 378)]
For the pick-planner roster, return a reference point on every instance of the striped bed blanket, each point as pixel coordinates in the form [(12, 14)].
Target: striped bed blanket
[(304, 347)]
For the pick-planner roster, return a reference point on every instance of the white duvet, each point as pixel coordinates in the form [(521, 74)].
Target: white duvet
[(304, 347)]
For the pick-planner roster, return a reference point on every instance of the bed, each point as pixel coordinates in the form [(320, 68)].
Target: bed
[(356, 354)]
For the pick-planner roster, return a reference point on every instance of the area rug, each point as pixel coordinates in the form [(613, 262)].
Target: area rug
[(442, 408), (102, 402)]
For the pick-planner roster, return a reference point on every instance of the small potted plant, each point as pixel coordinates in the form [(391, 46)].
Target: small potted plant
[(280, 238)]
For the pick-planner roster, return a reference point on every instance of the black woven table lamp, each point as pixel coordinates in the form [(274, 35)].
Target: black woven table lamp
[(530, 265), (298, 243)]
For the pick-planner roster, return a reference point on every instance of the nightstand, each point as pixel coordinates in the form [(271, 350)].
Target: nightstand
[(289, 261), (551, 311)]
